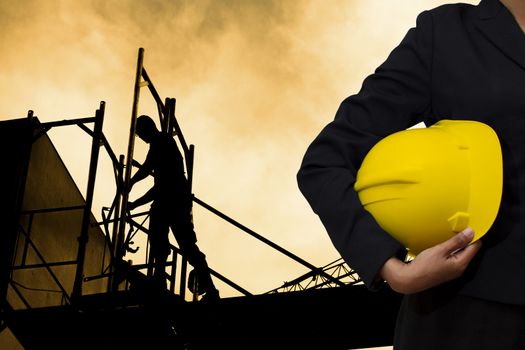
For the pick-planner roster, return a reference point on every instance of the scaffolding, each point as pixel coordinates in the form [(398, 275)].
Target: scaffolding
[(121, 240), (26, 256), (119, 226), (98, 273)]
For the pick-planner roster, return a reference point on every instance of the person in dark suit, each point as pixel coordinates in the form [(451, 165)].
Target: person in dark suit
[(171, 205), (459, 62)]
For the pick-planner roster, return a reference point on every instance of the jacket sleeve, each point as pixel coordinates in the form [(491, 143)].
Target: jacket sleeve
[(394, 98)]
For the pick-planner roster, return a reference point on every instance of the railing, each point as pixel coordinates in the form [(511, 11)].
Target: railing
[(315, 279)]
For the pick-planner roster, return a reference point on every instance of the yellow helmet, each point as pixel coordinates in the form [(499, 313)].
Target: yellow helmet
[(424, 185)]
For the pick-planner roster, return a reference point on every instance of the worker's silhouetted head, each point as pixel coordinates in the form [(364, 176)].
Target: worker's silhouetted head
[(146, 128)]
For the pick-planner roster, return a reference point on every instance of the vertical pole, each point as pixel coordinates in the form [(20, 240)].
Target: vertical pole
[(115, 237), (190, 157), (183, 277), (131, 145), (30, 114), (175, 125), (86, 217), (161, 114), (189, 168), (171, 121), (173, 275), (164, 122), (150, 259)]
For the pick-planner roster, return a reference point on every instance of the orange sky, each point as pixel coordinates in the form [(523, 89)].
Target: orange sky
[(255, 81)]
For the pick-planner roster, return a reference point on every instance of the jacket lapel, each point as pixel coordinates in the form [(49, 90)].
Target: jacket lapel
[(500, 27)]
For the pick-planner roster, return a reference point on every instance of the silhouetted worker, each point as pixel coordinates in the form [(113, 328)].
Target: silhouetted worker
[(171, 207)]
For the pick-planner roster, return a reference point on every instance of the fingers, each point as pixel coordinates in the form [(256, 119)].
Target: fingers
[(468, 253), (461, 257), (458, 242), (433, 266)]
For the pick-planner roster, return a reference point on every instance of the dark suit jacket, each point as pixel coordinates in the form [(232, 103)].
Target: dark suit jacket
[(459, 62)]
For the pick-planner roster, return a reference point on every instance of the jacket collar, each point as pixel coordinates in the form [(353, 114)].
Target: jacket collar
[(499, 26)]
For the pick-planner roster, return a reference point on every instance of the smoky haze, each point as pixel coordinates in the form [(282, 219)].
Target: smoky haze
[(255, 81)]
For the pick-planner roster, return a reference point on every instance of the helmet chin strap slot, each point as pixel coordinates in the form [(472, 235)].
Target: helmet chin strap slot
[(459, 221)]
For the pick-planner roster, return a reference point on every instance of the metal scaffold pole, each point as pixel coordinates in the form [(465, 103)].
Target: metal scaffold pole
[(116, 239), (129, 157), (86, 217)]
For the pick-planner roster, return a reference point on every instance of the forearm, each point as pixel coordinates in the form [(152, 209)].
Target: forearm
[(140, 175), (392, 272), (146, 198)]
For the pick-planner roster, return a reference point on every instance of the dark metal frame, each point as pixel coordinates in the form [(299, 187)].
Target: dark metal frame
[(118, 214), (116, 218), (169, 125), (97, 140)]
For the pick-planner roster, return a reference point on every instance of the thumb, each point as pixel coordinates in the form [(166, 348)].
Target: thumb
[(458, 241)]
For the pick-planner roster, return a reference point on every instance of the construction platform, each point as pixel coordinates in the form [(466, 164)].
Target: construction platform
[(333, 318)]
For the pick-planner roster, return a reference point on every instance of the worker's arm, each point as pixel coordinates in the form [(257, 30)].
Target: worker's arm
[(146, 198), (143, 172), (433, 266)]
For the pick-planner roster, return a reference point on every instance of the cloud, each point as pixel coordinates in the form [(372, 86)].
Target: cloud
[(255, 81)]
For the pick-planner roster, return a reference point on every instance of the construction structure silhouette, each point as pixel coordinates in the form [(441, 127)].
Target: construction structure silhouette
[(65, 282)]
